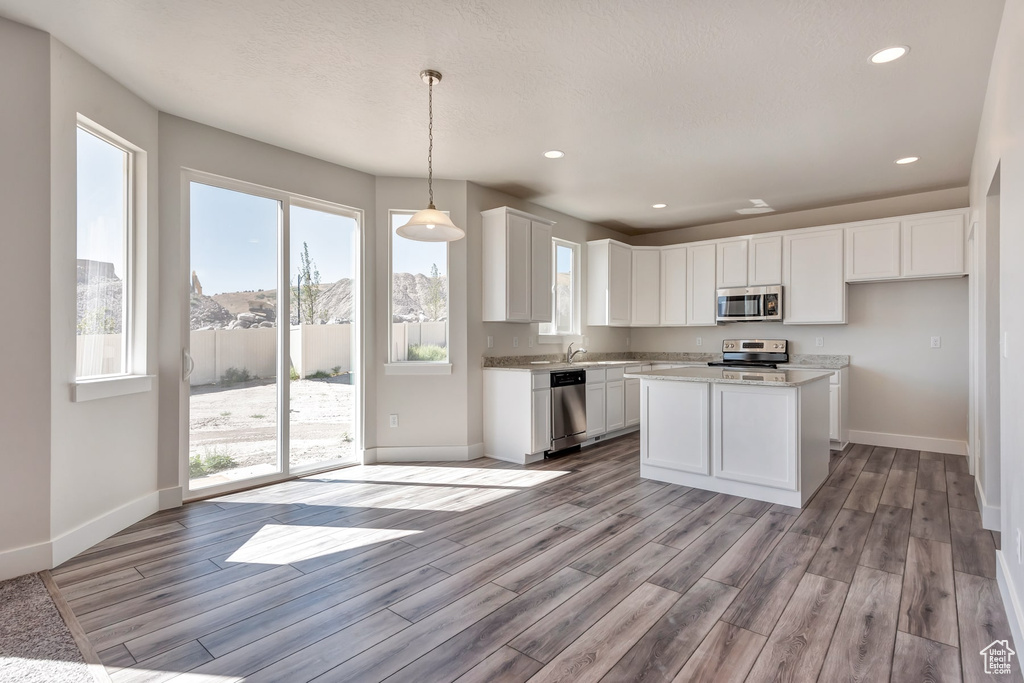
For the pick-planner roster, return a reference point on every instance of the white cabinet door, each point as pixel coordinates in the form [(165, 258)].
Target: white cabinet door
[(812, 274), (646, 307), (541, 439), (933, 246), (873, 252), (540, 272), (595, 409), (673, 286), (674, 430), (765, 261), (701, 294), (620, 276), (732, 263), (517, 256), (615, 400), (632, 402), (754, 434), (833, 412)]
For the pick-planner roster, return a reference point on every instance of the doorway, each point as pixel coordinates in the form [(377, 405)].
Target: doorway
[(273, 343)]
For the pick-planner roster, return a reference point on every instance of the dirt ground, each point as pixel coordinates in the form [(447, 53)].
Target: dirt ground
[(240, 422)]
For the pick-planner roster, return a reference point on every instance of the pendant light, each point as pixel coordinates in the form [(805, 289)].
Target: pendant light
[(429, 224)]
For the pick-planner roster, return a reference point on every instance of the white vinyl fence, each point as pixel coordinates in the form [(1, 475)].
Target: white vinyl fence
[(404, 335), (98, 354)]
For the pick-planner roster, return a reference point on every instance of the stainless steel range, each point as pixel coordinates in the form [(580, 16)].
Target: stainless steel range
[(753, 353)]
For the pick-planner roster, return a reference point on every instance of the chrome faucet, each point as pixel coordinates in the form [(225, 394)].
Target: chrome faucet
[(570, 354)]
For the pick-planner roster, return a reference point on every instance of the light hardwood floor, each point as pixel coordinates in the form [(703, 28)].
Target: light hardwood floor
[(571, 569)]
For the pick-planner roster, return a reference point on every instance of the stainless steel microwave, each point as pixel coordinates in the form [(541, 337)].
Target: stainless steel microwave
[(749, 304)]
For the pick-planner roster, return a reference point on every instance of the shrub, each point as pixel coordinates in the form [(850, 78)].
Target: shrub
[(294, 374), (319, 374), (429, 352), (235, 375), (336, 370), (212, 460)]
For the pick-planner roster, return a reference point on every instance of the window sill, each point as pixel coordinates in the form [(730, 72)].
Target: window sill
[(417, 368), (109, 387)]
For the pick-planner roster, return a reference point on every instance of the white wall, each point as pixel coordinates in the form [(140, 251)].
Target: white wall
[(104, 452), (25, 269), (1001, 145), (898, 385), (188, 145)]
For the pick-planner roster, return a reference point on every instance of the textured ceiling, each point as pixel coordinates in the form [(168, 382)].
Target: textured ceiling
[(701, 104)]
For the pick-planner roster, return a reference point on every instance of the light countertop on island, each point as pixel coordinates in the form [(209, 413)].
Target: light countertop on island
[(723, 375)]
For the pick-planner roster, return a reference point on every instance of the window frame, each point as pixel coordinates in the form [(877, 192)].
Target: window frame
[(415, 367), (556, 336), (132, 378)]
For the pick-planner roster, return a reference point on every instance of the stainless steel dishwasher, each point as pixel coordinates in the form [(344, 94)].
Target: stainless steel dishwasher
[(568, 408)]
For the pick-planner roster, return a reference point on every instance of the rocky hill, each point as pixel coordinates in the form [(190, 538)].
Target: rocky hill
[(414, 301)]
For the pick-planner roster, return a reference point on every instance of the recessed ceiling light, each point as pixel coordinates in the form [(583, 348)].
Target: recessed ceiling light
[(658, 206), (554, 154), (906, 160), (889, 54)]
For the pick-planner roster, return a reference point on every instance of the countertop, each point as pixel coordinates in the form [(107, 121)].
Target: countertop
[(775, 378), (696, 360)]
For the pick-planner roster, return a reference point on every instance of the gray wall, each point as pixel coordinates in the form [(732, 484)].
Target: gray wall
[(25, 269), (1001, 145)]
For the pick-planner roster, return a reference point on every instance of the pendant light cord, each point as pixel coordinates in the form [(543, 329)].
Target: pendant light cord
[(430, 136)]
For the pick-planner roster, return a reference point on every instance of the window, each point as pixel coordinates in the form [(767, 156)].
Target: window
[(565, 289), (419, 297), (104, 250)]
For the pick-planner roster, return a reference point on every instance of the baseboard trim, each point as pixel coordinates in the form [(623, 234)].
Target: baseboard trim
[(26, 560), (914, 443), (86, 535), (425, 453), (1011, 603), (990, 518), (171, 498)]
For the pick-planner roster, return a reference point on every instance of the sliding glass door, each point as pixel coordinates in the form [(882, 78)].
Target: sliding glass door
[(273, 343)]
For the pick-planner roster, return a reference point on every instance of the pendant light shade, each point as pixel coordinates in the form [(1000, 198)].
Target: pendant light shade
[(429, 224)]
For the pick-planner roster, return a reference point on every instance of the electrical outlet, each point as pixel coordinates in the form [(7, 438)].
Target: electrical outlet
[(490, 342), (515, 342), (529, 341), (393, 420), (627, 342), (936, 342), (819, 341), (700, 341), (1020, 549)]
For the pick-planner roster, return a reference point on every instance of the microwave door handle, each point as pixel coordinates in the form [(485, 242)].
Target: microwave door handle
[(762, 306)]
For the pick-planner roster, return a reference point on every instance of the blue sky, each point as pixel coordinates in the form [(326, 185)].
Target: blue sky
[(101, 201), (234, 242)]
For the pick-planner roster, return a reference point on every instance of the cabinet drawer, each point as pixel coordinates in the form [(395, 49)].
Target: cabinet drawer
[(595, 376), (542, 380), (613, 374)]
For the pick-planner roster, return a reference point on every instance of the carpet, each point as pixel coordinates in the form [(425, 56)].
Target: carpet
[(35, 643)]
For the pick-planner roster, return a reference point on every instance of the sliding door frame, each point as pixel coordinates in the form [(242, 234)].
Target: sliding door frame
[(286, 200)]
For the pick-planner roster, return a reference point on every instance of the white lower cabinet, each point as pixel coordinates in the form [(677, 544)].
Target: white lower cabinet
[(595, 409), (833, 412), (541, 438), (615, 400), (632, 414)]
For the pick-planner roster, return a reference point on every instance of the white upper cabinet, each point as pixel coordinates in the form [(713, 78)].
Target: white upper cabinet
[(516, 266), (812, 276), (646, 304), (732, 263), (673, 286), (609, 283), (701, 286), (873, 251), (764, 261), (933, 246), (541, 300)]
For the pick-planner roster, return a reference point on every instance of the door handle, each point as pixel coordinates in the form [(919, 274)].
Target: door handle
[(187, 365)]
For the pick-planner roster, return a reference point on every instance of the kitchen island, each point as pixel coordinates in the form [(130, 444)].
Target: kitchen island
[(761, 434)]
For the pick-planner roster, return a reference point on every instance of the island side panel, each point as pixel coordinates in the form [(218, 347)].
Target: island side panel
[(756, 434), (814, 438), (674, 429)]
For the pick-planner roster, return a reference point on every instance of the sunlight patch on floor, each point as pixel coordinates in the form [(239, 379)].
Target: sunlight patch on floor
[(285, 543)]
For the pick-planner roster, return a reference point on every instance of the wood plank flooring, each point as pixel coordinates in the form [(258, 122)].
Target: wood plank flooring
[(573, 569)]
